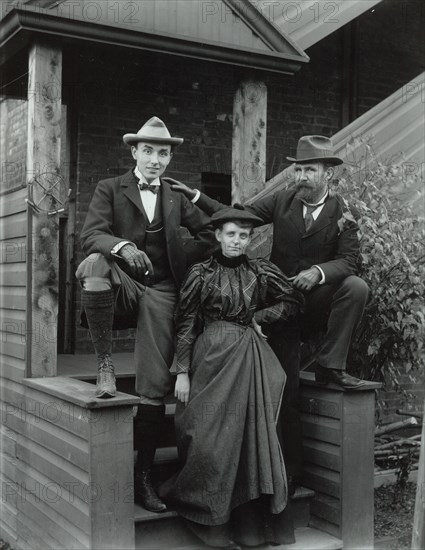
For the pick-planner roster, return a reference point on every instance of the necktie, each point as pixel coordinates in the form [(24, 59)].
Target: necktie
[(147, 186), (308, 218)]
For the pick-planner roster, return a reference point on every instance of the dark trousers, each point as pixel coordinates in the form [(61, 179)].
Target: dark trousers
[(334, 309), (154, 307)]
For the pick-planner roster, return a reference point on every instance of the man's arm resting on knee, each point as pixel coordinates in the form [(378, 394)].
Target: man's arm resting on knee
[(136, 259)]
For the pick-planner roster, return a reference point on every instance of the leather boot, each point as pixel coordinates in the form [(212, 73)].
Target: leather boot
[(105, 384), (147, 429), (145, 494)]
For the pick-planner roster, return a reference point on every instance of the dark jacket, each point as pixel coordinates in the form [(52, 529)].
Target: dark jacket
[(329, 243), (116, 214)]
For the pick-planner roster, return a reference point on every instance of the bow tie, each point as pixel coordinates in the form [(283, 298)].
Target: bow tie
[(147, 186)]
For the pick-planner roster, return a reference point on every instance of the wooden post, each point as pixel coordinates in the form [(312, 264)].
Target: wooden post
[(418, 534), (249, 140), (338, 437), (45, 194)]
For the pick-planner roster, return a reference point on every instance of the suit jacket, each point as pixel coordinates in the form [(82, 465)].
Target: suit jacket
[(116, 213), (335, 249)]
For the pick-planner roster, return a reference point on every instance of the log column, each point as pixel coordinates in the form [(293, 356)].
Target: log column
[(46, 194), (249, 140)]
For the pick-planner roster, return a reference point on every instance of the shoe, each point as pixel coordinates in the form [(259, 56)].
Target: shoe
[(293, 483), (339, 377), (144, 493), (105, 384)]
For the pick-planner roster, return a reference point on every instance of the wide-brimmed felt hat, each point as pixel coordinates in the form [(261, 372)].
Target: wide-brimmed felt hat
[(315, 149), (234, 215), (153, 131)]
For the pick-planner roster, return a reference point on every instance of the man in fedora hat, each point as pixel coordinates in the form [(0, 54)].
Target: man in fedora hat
[(318, 248), (135, 264)]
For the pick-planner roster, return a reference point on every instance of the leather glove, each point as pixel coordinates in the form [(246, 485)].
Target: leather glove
[(137, 260)]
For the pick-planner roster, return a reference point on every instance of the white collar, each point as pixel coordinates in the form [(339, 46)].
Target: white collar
[(142, 178)]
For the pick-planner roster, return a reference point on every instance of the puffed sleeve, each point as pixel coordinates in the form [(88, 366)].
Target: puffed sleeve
[(189, 322), (279, 300)]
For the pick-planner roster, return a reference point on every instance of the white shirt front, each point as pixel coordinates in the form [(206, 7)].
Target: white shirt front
[(149, 203), (315, 215), (320, 205), (148, 198)]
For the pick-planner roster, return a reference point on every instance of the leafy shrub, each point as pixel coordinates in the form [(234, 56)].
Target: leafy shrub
[(391, 233)]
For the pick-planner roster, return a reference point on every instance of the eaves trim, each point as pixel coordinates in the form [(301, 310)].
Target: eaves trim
[(24, 23)]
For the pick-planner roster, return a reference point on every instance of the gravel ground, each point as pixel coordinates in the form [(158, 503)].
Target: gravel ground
[(394, 510)]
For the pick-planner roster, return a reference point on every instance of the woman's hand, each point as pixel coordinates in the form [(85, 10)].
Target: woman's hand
[(182, 388), (258, 329)]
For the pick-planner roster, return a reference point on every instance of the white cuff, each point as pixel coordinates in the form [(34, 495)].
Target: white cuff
[(322, 281), (196, 197), (118, 247)]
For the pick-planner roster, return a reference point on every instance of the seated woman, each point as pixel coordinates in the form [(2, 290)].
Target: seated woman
[(232, 486)]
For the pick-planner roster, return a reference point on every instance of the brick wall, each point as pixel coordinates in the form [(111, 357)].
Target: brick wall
[(391, 49)]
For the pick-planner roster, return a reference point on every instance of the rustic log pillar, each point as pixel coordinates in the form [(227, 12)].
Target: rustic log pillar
[(45, 195), (338, 437), (249, 140)]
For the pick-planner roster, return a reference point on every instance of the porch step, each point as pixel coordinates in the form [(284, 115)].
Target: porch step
[(167, 532), (167, 463)]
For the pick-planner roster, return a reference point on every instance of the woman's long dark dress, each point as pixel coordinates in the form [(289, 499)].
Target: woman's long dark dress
[(226, 435)]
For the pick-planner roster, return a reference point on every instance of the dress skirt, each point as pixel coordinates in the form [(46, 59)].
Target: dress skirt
[(233, 482)]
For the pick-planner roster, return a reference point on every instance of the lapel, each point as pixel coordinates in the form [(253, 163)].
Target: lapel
[(324, 219), (131, 191), (296, 215), (167, 202)]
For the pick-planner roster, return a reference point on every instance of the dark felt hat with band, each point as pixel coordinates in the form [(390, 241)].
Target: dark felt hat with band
[(315, 149), (153, 131), (234, 215)]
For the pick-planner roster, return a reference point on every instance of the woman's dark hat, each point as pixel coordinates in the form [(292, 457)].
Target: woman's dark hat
[(315, 149), (234, 215)]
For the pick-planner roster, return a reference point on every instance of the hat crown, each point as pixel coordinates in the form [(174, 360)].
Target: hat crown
[(230, 214), (155, 128), (314, 146)]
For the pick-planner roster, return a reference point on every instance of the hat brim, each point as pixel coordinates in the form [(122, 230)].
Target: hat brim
[(131, 139), (330, 160), (235, 215)]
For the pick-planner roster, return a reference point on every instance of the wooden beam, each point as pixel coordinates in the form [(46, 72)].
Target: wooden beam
[(46, 191), (249, 140)]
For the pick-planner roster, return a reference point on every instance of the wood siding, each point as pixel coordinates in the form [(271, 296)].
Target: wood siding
[(338, 431), (66, 463), (309, 21), (13, 230)]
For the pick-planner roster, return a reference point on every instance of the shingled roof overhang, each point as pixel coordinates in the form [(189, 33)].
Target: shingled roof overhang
[(22, 25)]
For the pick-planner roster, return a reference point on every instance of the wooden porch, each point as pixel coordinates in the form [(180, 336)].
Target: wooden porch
[(82, 451)]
